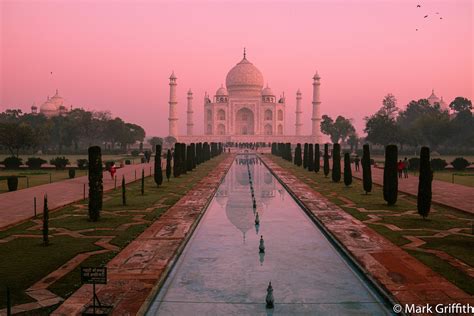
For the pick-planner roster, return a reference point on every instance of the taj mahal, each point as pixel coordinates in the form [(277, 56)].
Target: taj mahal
[(244, 111)]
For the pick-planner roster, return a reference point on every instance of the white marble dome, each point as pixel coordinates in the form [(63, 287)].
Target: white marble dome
[(221, 91), (268, 92), (244, 77)]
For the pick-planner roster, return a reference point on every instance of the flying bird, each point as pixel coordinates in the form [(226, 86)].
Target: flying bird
[(418, 6), (426, 16)]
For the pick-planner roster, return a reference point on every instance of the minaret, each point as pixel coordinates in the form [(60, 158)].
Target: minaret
[(173, 118), (316, 119), (298, 114), (190, 123)]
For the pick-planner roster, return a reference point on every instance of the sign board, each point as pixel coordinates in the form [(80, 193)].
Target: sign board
[(94, 275)]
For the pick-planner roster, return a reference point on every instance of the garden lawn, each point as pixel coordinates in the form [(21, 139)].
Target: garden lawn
[(403, 215), (24, 261)]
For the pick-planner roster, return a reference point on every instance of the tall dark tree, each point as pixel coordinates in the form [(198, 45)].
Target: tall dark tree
[(336, 163), (158, 176), (183, 162), (390, 175), (310, 158), (366, 169), (288, 152), (298, 160), (326, 160), (424, 184), (143, 182), (305, 156), (124, 192), (176, 160), (347, 169), (189, 158), (317, 158), (193, 155), (45, 222), (168, 164), (96, 189)]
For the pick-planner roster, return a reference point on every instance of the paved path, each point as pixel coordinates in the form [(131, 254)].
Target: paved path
[(138, 271), (449, 194), (408, 280), (18, 206)]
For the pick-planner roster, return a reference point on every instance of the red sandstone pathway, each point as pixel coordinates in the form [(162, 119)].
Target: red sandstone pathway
[(445, 193), (18, 206)]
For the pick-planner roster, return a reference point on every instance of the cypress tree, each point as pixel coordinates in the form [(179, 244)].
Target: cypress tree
[(366, 169), (317, 158), (424, 185), (347, 169), (193, 155), (95, 183), (310, 158), (305, 156), (176, 158), (189, 158), (168, 164), (288, 152), (158, 176), (390, 175), (124, 192), (198, 153), (336, 163), (298, 160), (183, 162), (45, 222), (143, 182), (326, 160)]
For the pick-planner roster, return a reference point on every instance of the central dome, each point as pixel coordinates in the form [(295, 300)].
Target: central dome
[(244, 77)]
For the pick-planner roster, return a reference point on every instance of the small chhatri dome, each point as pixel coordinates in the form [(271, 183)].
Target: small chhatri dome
[(298, 92), (173, 76), (244, 77), (221, 91), (316, 76), (190, 92), (432, 99), (267, 91)]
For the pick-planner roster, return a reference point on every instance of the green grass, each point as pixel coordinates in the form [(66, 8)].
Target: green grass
[(440, 218), (24, 261), (447, 176)]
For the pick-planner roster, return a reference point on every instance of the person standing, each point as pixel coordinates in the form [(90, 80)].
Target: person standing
[(406, 165), (357, 162), (400, 168)]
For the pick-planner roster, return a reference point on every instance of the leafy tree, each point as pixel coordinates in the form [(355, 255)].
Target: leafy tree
[(366, 169), (95, 183), (154, 141), (347, 169), (390, 175), (326, 160), (16, 136), (461, 104), (336, 163), (460, 163), (424, 184), (158, 176), (337, 130), (353, 141), (381, 129)]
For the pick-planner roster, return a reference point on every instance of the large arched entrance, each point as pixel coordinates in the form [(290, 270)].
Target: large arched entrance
[(244, 122)]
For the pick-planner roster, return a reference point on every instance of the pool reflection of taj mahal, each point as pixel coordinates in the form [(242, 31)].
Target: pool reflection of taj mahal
[(244, 111)]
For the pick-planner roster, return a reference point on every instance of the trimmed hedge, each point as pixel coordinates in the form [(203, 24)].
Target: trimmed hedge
[(460, 163)]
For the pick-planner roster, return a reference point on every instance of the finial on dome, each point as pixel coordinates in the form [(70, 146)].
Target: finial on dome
[(245, 53), (316, 75), (190, 92), (432, 91), (57, 92), (173, 76), (298, 92)]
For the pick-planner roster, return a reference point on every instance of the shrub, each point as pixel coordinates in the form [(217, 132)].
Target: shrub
[(135, 153), (317, 158), (12, 183), (366, 169), (72, 173), (390, 175), (128, 162), (326, 160), (414, 164), (82, 163), (336, 163), (347, 169), (35, 162), (460, 163), (424, 184), (96, 189), (438, 164), (108, 164), (12, 162), (158, 176), (59, 162)]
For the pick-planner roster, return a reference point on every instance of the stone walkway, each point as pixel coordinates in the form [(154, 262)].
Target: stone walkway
[(408, 280), (18, 206), (453, 195), (137, 272)]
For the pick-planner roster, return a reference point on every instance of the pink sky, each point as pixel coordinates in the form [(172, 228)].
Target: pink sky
[(118, 55)]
